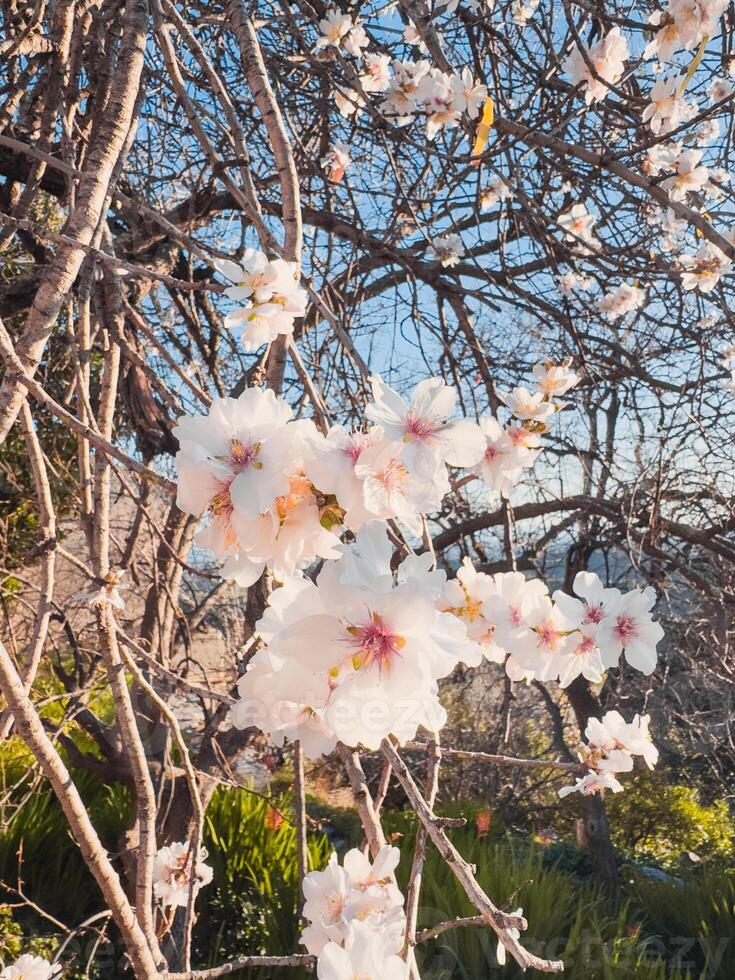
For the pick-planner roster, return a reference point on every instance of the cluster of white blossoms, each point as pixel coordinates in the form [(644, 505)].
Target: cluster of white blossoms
[(611, 746), (513, 447), (242, 465), (621, 300), (496, 192), (415, 87), (667, 108), (356, 922), (275, 492), (682, 26), (172, 872), (339, 31), (271, 295), (355, 656), (603, 63), (557, 637), (412, 88), (29, 967), (572, 280)]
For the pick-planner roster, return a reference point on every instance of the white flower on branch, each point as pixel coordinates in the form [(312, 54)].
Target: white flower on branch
[(425, 425), (108, 593), (273, 297), (628, 628), (703, 270), (621, 301), (571, 280), (403, 94), (661, 156), (554, 379), (439, 99), (497, 190), (364, 957), (688, 177), (527, 405), (683, 25), (355, 915), (172, 874), (469, 95), (504, 460), (448, 249), (719, 89), (465, 596), (607, 57), (612, 744), (29, 967), (578, 224), (376, 77), (339, 31), (500, 953), (667, 108), (522, 11), (333, 468), (242, 466), (371, 642)]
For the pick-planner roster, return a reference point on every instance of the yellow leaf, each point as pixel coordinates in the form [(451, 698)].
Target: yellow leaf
[(483, 130), (693, 64)]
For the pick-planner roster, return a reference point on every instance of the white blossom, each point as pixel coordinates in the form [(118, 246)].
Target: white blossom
[(607, 57), (629, 627), (578, 224), (621, 300), (271, 293), (526, 405), (497, 190), (369, 643), (668, 108), (448, 249), (703, 270), (172, 874), (29, 967), (689, 175)]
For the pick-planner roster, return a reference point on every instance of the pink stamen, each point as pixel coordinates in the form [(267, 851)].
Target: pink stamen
[(376, 643), (586, 646), (353, 452), (420, 428), (242, 456), (548, 636), (624, 628), (393, 476), (594, 614)]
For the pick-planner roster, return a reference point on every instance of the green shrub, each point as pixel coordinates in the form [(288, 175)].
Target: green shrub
[(663, 821)]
